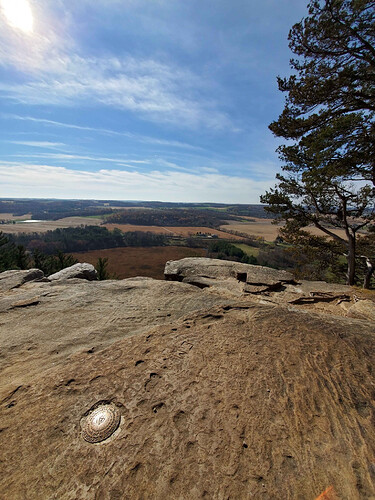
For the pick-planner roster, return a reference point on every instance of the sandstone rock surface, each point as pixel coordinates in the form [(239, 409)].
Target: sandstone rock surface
[(363, 309), (66, 316), (261, 284), (15, 279), (82, 271), (177, 270), (220, 396)]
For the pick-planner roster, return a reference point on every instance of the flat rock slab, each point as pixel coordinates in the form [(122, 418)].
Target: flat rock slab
[(224, 287), (248, 288), (310, 288), (219, 396), (199, 281), (177, 270)]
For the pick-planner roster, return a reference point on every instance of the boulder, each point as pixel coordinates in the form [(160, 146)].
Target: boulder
[(82, 271), (260, 284), (14, 279)]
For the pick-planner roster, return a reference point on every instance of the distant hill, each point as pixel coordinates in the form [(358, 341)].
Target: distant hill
[(57, 209)]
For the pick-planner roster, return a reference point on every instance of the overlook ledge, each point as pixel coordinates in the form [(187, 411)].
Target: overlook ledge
[(255, 386)]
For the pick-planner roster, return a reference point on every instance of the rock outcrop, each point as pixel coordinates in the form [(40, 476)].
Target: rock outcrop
[(15, 279), (82, 271), (227, 276), (218, 392), (265, 285), (179, 270)]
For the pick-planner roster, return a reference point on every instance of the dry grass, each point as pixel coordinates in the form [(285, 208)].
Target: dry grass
[(133, 261), (6, 216), (44, 226), (263, 228)]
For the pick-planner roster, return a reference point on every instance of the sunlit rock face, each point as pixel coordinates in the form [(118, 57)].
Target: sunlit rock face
[(160, 389), (80, 271)]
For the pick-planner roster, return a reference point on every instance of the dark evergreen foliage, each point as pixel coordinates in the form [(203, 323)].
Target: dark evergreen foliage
[(329, 171), (101, 268), (16, 256), (10, 255), (334, 68)]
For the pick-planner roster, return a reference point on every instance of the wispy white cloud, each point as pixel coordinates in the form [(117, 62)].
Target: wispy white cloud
[(153, 90), (45, 181), (38, 144), (105, 131), (53, 69), (257, 170), (79, 158), (264, 169)]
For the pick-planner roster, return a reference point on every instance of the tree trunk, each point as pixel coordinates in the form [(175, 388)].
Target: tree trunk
[(351, 261), (369, 273)]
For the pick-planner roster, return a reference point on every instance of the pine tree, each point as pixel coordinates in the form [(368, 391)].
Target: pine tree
[(101, 268), (329, 171), (335, 67)]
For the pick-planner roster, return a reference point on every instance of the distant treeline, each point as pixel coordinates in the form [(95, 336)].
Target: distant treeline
[(80, 239), (61, 214), (54, 209), (250, 211), (170, 217), (15, 257), (57, 209)]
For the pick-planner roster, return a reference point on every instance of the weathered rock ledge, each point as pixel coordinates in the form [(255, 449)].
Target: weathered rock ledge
[(253, 386), (265, 285)]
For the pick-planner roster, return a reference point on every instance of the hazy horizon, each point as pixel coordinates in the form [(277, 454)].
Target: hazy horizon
[(7, 198)]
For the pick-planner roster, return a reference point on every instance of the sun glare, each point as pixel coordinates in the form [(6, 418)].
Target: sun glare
[(18, 14)]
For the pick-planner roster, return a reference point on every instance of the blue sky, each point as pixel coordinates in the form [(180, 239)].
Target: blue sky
[(142, 99)]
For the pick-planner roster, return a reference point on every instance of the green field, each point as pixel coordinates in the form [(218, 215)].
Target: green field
[(247, 249), (95, 216)]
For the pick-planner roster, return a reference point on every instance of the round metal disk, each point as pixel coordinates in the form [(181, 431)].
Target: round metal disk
[(100, 423)]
